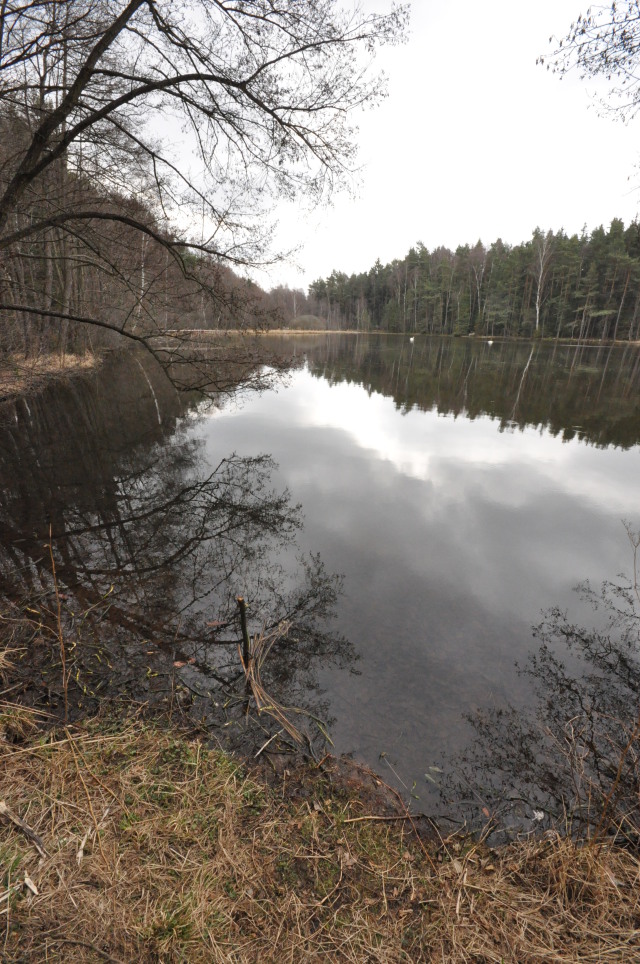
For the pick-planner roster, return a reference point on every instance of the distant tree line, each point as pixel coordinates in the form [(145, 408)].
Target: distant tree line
[(580, 286)]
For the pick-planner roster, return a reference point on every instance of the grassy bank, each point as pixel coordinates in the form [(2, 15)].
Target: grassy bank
[(127, 840), (19, 376)]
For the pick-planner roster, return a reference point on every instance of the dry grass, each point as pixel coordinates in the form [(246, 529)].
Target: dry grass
[(18, 375), (158, 849), (16, 722), (547, 900)]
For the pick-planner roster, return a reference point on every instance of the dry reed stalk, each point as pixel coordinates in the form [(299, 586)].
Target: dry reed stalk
[(257, 649), (59, 632)]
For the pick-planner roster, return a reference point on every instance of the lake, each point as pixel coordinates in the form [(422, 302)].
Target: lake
[(459, 489)]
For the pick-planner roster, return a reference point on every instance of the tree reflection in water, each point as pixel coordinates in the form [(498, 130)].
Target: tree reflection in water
[(151, 549), (574, 758)]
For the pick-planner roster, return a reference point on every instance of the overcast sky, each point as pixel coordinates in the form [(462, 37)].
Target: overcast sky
[(475, 141)]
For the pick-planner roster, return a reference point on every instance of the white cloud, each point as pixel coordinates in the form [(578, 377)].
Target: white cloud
[(431, 447), (474, 141)]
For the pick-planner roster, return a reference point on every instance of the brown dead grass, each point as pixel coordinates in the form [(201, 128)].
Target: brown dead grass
[(18, 375), (159, 849)]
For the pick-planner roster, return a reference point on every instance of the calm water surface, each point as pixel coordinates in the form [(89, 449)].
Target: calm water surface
[(453, 527), (459, 488)]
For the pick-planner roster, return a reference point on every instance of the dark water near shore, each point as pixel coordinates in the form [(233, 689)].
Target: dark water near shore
[(459, 488)]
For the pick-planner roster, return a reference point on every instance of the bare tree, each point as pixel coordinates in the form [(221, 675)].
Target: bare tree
[(604, 42), (146, 142)]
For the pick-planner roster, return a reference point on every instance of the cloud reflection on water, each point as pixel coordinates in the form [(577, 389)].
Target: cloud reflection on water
[(453, 535)]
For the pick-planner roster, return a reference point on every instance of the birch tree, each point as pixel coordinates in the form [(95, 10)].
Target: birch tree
[(542, 253)]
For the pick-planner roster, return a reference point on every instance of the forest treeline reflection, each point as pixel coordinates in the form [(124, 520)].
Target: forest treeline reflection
[(157, 516), (152, 544), (590, 392)]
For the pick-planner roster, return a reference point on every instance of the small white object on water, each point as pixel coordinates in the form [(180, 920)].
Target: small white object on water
[(489, 342), (411, 339)]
